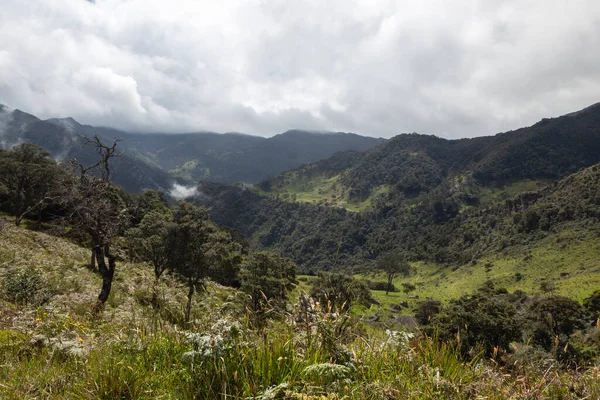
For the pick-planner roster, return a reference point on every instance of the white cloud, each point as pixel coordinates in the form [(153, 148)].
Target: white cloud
[(180, 192), (378, 67)]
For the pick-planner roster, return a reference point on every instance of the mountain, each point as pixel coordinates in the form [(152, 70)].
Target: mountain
[(409, 164), (234, 157), (62, 138), (436, 200), (157, 160)]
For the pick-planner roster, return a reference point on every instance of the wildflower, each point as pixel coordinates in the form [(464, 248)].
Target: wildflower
[(38, 319), (80, 340)]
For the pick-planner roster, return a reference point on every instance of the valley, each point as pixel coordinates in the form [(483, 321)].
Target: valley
[(278, 289)]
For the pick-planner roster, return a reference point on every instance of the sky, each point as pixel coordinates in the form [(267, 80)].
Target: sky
[(458, 68)]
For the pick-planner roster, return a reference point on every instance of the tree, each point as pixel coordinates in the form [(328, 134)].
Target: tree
[(339, 291), (27, 179), (198, 250), (392, 264), (592, 303), (267, 277), (188, 244), (487, 318), (426, 310), (149, 242), (97, 207), (555, 317), (225, 257)]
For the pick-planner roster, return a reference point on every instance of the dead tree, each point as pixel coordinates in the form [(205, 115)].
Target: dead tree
[(97, 207)]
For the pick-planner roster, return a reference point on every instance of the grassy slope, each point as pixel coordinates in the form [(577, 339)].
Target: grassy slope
[(321, 189), (570, 259), (73, 287), (132, 354), (490, 194)]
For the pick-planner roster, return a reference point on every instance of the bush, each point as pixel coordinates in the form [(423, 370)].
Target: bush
[(25, 286), (486, 320), (382, 286), (338, 291), (426, 310), (553, 317), (592, 303)]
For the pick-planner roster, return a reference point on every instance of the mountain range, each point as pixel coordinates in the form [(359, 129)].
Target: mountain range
[(337, 199), (155, 161), (433, 199)]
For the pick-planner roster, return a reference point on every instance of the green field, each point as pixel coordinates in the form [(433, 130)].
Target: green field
[(569, 259)]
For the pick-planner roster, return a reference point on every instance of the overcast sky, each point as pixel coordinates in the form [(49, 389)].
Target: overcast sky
[(452, 68)]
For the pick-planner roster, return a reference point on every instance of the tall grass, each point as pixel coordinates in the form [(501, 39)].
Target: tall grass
[(287, 360)]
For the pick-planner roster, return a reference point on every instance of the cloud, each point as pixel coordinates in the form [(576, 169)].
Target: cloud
[(180, 192), (376, 67)]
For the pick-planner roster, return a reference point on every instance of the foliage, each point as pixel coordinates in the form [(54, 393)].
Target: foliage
[(592, 303), (337, 292), (487, 319), (25, 286), (426, 310), (267, 278), (198, 250), (392, 264), (555, 318), (28, 177)]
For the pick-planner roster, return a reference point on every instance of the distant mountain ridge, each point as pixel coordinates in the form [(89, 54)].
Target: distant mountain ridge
[(409, 164), (157, 160)]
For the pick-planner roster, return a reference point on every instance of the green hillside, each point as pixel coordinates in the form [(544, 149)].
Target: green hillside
[(53, 347)]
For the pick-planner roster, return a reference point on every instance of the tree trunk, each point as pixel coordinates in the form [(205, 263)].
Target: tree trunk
[(18, 221), (107, 273), (188, 308), (389, 284), (155, 304)]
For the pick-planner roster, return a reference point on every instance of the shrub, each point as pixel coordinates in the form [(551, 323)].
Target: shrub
[(426, 310), (553, 317), (592, 303), (25, 286), (486, 320), (339, 291), (382, 286)]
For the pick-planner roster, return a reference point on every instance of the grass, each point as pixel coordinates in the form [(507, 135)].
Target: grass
[(321, 189), (56, 350), (490, 194), (569, 259)]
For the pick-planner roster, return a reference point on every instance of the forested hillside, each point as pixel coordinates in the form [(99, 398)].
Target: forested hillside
[(433, 199), (409, 164)]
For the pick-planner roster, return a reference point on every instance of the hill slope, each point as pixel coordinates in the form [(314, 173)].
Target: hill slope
[(410, 164)]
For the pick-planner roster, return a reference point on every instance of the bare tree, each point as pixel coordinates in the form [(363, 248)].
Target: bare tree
[(97, 207)]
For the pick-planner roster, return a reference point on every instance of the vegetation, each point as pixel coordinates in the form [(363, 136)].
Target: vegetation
[(267, 278), (499, 292), (26, 177), (392, 264), (59, 351)]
